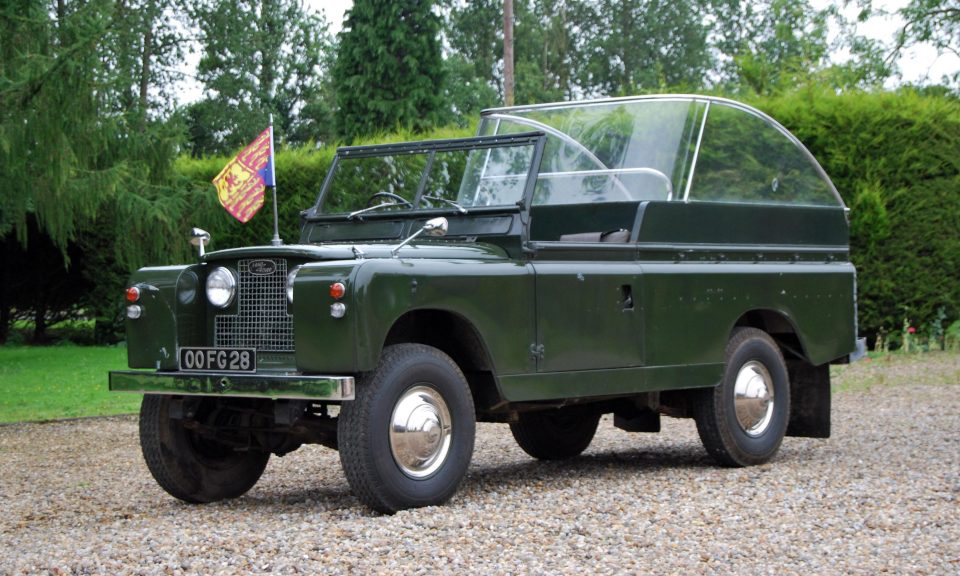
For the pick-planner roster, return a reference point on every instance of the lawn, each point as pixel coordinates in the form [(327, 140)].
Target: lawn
[(891, 369), (47, 383)]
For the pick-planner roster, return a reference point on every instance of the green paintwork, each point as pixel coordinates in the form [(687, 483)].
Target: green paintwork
[(755, 225), (263, 385), (382, 290), (166, 323), (550, 318), (609, 383)]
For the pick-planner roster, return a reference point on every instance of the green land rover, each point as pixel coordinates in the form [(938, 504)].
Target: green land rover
[(677, 255)]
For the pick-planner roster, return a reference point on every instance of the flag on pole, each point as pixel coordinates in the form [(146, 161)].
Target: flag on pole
[(241, 183)]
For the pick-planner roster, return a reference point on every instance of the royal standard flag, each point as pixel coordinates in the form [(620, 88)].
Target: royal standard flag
[(241, 183)]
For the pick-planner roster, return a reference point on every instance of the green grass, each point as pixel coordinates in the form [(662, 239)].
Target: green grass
[(47, 383), (895, 368)]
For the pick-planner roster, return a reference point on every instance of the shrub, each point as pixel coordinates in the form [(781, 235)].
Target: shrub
[(895, 158)]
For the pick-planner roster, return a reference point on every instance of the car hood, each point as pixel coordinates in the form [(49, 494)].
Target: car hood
[(419, 250)]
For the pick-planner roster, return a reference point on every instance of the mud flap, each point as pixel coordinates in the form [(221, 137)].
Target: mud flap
[(809, 400)]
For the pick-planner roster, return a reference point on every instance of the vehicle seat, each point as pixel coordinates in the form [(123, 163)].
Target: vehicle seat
[(618, 236)]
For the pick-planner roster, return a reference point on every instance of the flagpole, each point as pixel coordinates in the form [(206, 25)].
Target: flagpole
[(276, 241)]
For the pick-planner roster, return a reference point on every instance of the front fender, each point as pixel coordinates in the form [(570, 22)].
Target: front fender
[(495, 297), (166, 322)]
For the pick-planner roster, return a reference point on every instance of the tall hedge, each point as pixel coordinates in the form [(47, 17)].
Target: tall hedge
[(894, 157)]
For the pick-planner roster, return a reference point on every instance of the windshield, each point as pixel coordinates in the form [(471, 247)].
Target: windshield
[(455, 175)]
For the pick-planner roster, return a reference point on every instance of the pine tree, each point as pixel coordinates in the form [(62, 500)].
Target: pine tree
[(389, 70), (78, 160)]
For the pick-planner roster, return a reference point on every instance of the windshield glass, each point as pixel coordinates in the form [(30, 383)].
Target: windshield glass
[(480, 172), (638, 150)]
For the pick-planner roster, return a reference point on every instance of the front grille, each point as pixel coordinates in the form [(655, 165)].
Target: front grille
[(262, 321)]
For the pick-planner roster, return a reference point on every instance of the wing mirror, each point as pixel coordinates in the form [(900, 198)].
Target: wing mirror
[(200, 238), (433, 227), (436, 226)]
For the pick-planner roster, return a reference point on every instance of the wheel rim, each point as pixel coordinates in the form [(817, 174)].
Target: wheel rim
[(420, 432), (753, 398)]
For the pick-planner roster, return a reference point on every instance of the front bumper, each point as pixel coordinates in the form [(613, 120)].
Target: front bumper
[(260, 385)]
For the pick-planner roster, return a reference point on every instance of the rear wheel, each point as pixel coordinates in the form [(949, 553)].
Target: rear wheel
[(555, 434), (407, 438), (190, 466), (742, 421)]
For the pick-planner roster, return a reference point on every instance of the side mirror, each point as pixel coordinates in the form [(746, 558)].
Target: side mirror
[(200, 238), (436, 226)]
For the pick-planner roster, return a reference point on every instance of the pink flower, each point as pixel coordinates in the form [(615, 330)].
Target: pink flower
[(911, 330)]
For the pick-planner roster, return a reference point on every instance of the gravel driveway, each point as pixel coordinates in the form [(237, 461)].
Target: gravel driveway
[(880, 496)]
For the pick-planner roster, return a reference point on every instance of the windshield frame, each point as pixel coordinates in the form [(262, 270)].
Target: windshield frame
[(431, 147)]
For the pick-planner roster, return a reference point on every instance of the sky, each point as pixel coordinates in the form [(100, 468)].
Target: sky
[(916, 64)]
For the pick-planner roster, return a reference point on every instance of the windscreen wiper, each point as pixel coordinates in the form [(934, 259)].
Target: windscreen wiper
[(352, 215), (459, 208)]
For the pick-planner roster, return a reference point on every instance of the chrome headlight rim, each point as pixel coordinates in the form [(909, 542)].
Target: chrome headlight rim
[(221, 287), (291, 277)]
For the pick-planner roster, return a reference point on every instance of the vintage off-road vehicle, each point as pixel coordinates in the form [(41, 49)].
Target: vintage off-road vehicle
[(678, 255)]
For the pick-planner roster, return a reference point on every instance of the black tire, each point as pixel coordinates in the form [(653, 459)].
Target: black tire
[(555, 434), (193, 469), (755, 357), (383, 469)]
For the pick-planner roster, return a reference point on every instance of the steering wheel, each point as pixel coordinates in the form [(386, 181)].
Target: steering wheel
[(397, 199)]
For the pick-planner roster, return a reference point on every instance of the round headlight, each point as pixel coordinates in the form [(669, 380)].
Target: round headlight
[(290, 278), (221, 287)]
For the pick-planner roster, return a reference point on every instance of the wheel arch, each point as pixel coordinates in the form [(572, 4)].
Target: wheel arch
[(810, 403), (779, 326), (458, 338)]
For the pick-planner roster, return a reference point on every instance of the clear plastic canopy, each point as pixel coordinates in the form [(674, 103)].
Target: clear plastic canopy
[(666, 148), (687, 148)]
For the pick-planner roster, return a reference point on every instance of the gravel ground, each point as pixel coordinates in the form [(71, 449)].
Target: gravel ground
[(880, 496)]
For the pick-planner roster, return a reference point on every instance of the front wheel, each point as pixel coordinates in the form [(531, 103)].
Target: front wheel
[(407, 438), (191, 466), (742, 421)]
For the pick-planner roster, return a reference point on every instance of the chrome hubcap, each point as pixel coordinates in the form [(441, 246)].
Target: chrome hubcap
[(753, 398), (420, 430)]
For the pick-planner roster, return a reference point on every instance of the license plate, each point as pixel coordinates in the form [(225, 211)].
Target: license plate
[(218, 360)]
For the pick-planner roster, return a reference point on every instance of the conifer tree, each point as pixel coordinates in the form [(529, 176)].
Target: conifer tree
[(389, 70), (79, 161)]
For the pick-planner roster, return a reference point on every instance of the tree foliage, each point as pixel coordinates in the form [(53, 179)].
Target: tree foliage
[(260, 57), (936, 22), (642, 45), (567, 49), (77, 162), (389, 71), (773, 44)]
